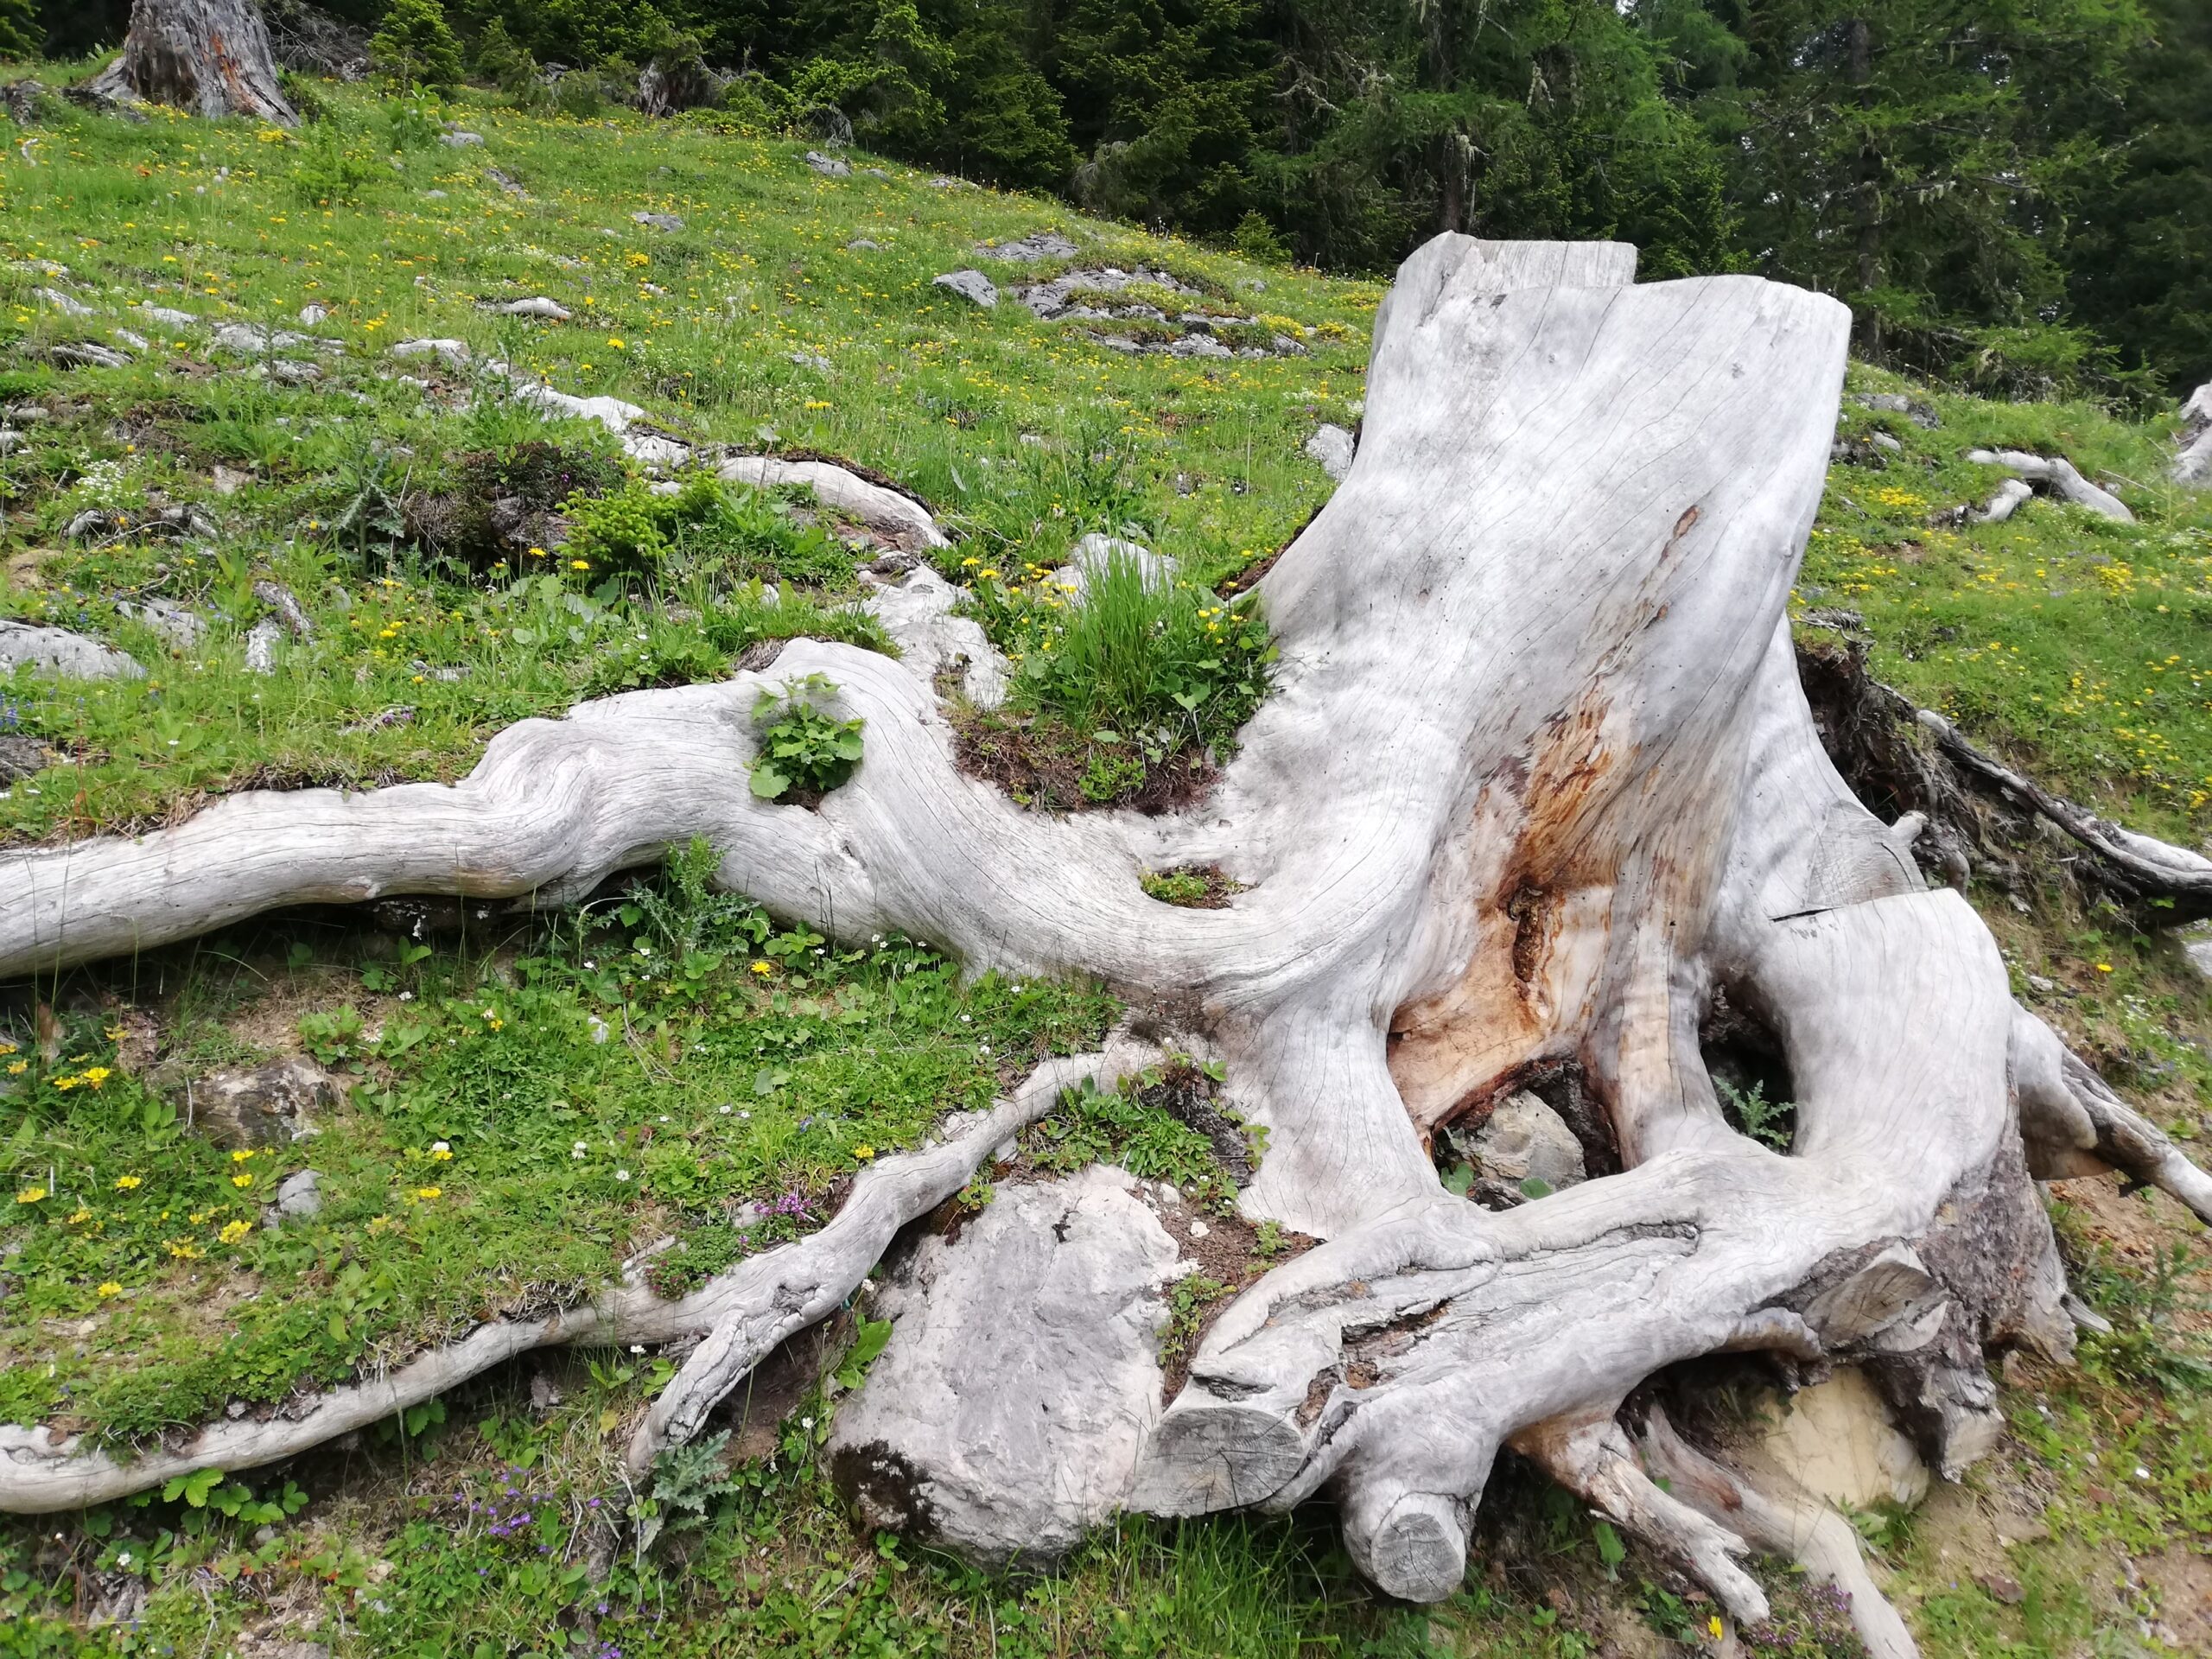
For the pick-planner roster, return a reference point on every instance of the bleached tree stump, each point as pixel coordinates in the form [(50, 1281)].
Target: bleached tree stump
[(1537, 785), (212, 57)]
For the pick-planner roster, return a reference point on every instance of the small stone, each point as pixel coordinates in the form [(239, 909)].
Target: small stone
[(268, 1106), (57, 650), (1038, 244), (657, 221), (1884, 441), (1096, 551), (1199, 1229), (2001, 1587), (1525, 1140), (1006, 1415), (460, 140), (2043, 987), (970, 285), (453, 353), (1331, 445), (311, 314), (860, 243), (299, 1197), (433, 195), (544, 1393), (180, 629), (11, 442), (128, 341), (829, 167), (170, 317), (87, 354), (261, 642), (64, 304), (23, 757), (536, 306)]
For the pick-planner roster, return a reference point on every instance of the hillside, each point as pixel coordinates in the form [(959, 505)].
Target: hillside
[(341, 566)]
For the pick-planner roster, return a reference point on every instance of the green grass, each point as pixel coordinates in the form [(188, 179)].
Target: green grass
[(534, 1101), (700, 327), (674, 1066), (2077, 644)]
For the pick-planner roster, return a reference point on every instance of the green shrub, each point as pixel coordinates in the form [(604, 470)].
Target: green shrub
[(409, 124), (416, 47), (331, 165)]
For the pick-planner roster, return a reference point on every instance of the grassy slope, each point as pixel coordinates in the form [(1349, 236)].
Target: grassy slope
[(486, 1045)]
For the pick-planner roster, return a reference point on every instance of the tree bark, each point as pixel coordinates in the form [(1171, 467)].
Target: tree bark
[(1536, 786), (212, 57)]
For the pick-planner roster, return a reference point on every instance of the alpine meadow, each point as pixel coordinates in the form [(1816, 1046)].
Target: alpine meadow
[(1246, 827)]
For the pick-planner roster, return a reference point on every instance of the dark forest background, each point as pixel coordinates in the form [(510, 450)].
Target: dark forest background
[(2014, 193)]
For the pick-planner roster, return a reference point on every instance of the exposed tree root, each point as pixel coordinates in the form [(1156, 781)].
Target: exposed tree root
[(742, 1314), (1869, 726), (1778, 1516), (1537, 785)]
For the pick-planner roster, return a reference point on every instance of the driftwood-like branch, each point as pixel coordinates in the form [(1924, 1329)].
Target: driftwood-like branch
[(1538, 788), (764, 1298)]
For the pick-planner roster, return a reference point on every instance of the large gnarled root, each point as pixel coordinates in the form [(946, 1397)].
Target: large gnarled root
[(742, 1314), (1776, 1515), (783, 1294), (1537, 784)]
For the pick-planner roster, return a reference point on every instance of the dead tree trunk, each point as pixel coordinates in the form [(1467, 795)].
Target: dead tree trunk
[(212, 57), (1537, 784)]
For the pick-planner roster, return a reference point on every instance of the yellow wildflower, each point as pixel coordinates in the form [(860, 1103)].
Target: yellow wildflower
[(110, 1289), (31, 1195), (426, 1193), (764, 969), (126, 1183), (97, 1075), (863, 1153), (242, 1181), (234, 1230)]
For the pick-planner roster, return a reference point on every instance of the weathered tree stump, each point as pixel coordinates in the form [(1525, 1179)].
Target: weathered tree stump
[(1537, 787), (212, 57)]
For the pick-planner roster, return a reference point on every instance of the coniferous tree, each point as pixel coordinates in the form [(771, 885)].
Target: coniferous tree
[(2140, 263), (416, 47)]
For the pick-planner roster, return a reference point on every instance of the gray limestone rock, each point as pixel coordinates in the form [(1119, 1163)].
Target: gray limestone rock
[(23, 757), (461, 140), (1038, 244), (829, 167), (970, 285), (1005, 1417), (1526, 1140), (657, 221), (299, 1197), (1332, 446), (268, 1106), (1096, 551), (59, 651), (180, 629)]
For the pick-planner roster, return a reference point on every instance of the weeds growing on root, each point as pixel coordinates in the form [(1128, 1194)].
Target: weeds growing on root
[(1118, 690)]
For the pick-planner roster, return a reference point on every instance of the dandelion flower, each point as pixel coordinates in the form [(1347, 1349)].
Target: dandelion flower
[(126, 1183), (110, 1289)]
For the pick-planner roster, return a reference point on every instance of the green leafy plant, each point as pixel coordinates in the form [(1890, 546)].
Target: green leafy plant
[(1771, 1124), (330, 166), (803, 749), (332, 1036)]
